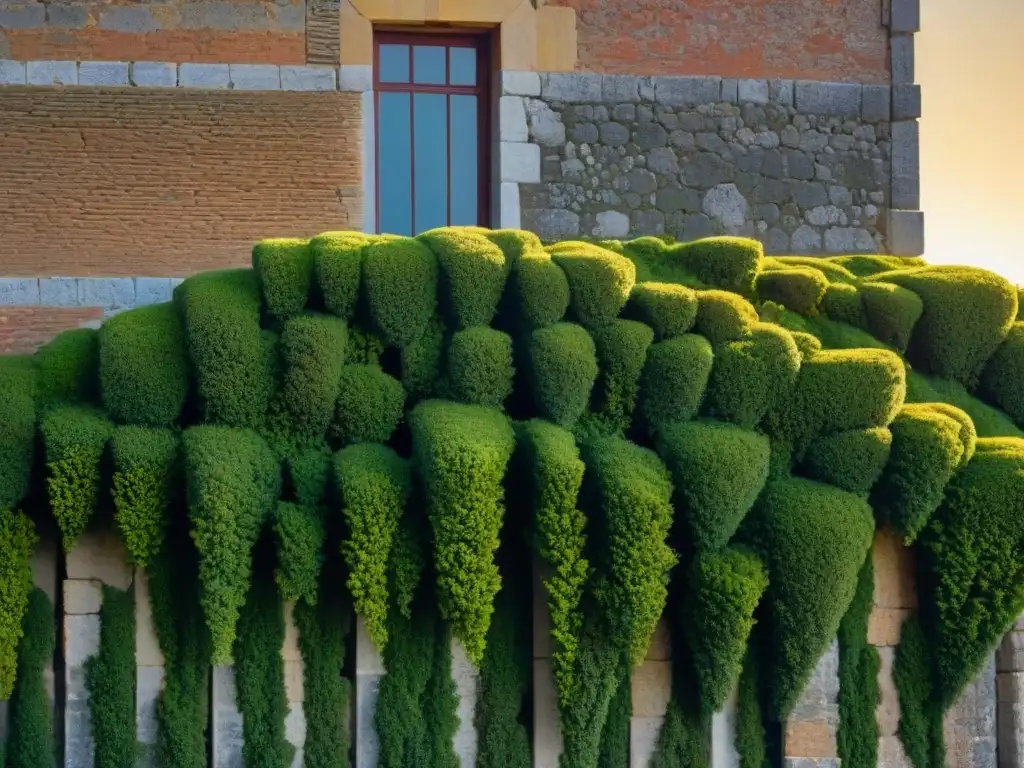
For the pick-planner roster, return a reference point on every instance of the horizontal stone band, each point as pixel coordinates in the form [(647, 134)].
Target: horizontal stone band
[(111, 294)]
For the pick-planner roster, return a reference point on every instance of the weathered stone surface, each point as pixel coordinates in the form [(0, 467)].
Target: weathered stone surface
[(547, 737), (887, 714), (106, 292), (367, 745), (467, 688), (52, 72), (192, 75), (969, 726), (520, 83), (308, 78), (78, 746), (894, 571), (82, 597), (885, 625), (905, 16), (520, 162), (570, 88), (552, 224), (103, 73), (643, 739), (546, 127), (295, 732), (154, 74), (255, 77), (227, 733), (687, 91), (1010, 719), (754, 92), (891, 753), (829, 99), (147, 645), (875, 107), (150, 290), (612, 224), (848, 240), (512, 119), (651, 685), (906, 101), (906, 168), (12, 72), (18, 291), (1010, 655), (149, 684), (810, 730), (723, 735), (806, 240), (901, 49), (100, 555), (726, 204), (906, 233), (355, 78)]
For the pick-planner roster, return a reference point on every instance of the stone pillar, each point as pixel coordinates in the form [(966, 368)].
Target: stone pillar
[(295, 721), (369, 671), (547, 734), (228, 736), (651, 688), (97, 559), (467, 687), (969, 726), (149, 672), (809, 738), (1010, 690), (723, 735), (895, 599)]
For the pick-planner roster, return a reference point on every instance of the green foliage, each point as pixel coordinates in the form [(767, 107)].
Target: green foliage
[(514, 243), (563, 368), (813, 539), (421, 361), (230, 357), (920, 727), (843, 302), (839, 390), (233, 483), (75, 439), (110, 680), (857, 735), (836, 273), (752, 376), (147, 473), (374, 485), (364, 347), (480, 366), (615, 734), (400, 286), (1002, 377), (308, 471), (718, 470), (322, 632), (299, 533), (600, 281), (799, 288), (460, 453), (144, 366), (473, 272), (540, 288), (69, 368), (750, 734), (621, 347), (17, 427), (259, 674), (338, 259), (891, 312), (629, 493), (926, 449), (851, 460), (313, 351), (865, 266), (967, 314), (724, 589), (17, 541), (808, 345), (971, 572), (723, 316), (683, 740), (669, 309), (549, 457), (30, 741), (369, 405), (655, 261), (729, 263), (674, 378), (988, 421), (285, 268)]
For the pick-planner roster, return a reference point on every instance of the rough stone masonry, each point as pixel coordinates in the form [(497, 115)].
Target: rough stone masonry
[(804, 167)]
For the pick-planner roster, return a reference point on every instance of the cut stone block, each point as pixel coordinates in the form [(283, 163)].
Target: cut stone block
[(810, 730), (467, 688), (78, 746), (149, 684), (894, 571), (100, 555), (643, 739), (723, 735), (228, 736), (147, 645), (367, 746), (82, 597), (547, 736), (651, 686), (969, 726)]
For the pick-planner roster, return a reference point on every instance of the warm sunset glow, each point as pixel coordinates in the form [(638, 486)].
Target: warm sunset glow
[(970, 63)]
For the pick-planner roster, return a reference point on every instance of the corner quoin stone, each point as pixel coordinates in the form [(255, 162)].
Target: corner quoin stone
[(905, 16), (906, 233), (906, 101), (830, 99)]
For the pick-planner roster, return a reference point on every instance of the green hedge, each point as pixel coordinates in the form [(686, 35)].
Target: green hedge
[(17, 542), (851, 460), (921, 720), (718, 470), (615, 734), (865, 266), (1003, 374), (480, 369), (30, 741), (723, 316), (674, 378), (514, 243), (843, 302), (285, 269), (669, 309), (147, 474), (69, 367), (858, 732), (313, 353), (836, 273), (460, 453), (17, 427), (422, 361), (891, 312), (600, 281), (473, 272), (338, 260), (799, 288), (750, 732), (299, 532), (541, 290), (729, 263), (563, 368), (400, 285), (808, 345), (369, 406), (621, 347), (110, 680)]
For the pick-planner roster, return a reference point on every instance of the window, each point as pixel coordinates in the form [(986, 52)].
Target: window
[(431, 132)]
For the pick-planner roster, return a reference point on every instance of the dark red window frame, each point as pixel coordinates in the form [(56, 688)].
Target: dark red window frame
[(476, 39)]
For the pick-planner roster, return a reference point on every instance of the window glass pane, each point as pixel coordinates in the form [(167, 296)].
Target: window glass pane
[(394, 148), (430, 145), (463, 66), (465, 187), (428, 64), (394, 63)]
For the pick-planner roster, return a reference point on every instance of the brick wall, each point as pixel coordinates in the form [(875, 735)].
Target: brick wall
[(840, 40), (24, 329), (168, 182), (258, 31)]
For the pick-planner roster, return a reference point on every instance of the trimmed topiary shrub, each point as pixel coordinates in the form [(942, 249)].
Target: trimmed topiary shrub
[(629, 494), (338, 260), (836, 273), (799, 289), (563, 368), (374, 485), (313, 353), (230, 357), (674, 378), (891, 312), (750, 733), (364, 347), (858, 732), (600, 281), (299, 534), (421, 361), (865, 266), (17, 542), (147, 475), (1004, 372), (718, 470), (514, 243), (307, 470), (541, 290), (967, 314), (813, 540), (729, 263), (851, 460), (753, 375), (233, 482), (724, 589), (615, 734), (285, 269), (144, 366), (723, 316), (400, 286), (621, 353), (460, 453), (110, 680), (473, 272), (669, 309), (69, 368), (75, 439), (843, 302), (30, 742), (17, 427), (808, 345), (369, 406), (480, 367), (920, 726)]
